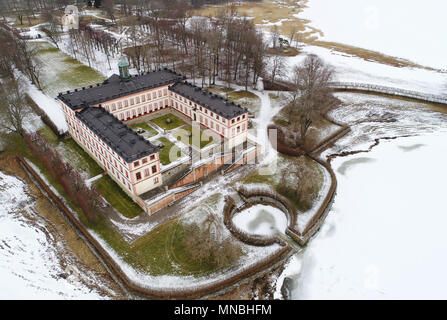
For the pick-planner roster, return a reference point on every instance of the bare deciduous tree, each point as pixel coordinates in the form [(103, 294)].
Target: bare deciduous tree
[(13, 106), (52, 29), (311, 96), (205, 243), (300, 182), (278, 66)]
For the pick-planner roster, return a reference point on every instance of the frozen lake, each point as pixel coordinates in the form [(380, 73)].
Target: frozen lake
[(385, 236), (402, 28)]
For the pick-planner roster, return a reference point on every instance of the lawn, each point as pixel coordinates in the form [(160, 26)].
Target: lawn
[(60, 72), (71, 151), (29, 22), (319, 129), (159, 252), (149, 131), (175, 122), (273, 181), (244, 98), (241, 94), (168, 149), (162, 252), (114, 195), (182, 135)]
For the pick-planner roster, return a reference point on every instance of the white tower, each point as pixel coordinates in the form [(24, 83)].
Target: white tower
[(70, 20)]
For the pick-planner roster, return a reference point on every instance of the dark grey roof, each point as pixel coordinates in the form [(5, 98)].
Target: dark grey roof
[(114, 88), (206, 99), (117, 135)]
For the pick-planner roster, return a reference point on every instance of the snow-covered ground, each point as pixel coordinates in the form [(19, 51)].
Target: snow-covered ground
[(261, 220), (353, 69), (48, 105), (31, 265), (401, 28), (385, 235)]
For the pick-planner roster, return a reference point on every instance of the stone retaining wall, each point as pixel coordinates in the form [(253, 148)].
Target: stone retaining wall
[(255, 240), (130, 285)]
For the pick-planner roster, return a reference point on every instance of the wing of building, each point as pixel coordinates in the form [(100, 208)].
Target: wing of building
[(97, 116)]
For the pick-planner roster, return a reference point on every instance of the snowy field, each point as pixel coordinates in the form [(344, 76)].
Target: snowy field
[(385, 236), (403, 28), (31, 265), (353, 69)]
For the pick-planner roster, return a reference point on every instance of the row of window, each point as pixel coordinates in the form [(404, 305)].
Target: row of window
[(209, 123), (136, 112), (136, 100), (203, 120), (105, 163), (146, 172), (204, 110), (100, 153), (144, 161), (95, 146), (138, 175)]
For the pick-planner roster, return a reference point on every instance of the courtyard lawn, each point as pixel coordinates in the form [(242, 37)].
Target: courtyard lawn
[(165, 152), (60, 72), (114, 195), (175, 122), (73, 153), (149, 131), (182, 135)]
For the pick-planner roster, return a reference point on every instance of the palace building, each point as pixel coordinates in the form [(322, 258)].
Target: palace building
[(96, 117)]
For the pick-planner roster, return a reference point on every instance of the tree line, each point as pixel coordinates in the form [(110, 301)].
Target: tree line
[(15, 53), (228, 47), (87, 198)]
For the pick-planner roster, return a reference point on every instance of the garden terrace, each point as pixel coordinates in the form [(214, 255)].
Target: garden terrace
[(168, 122)]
